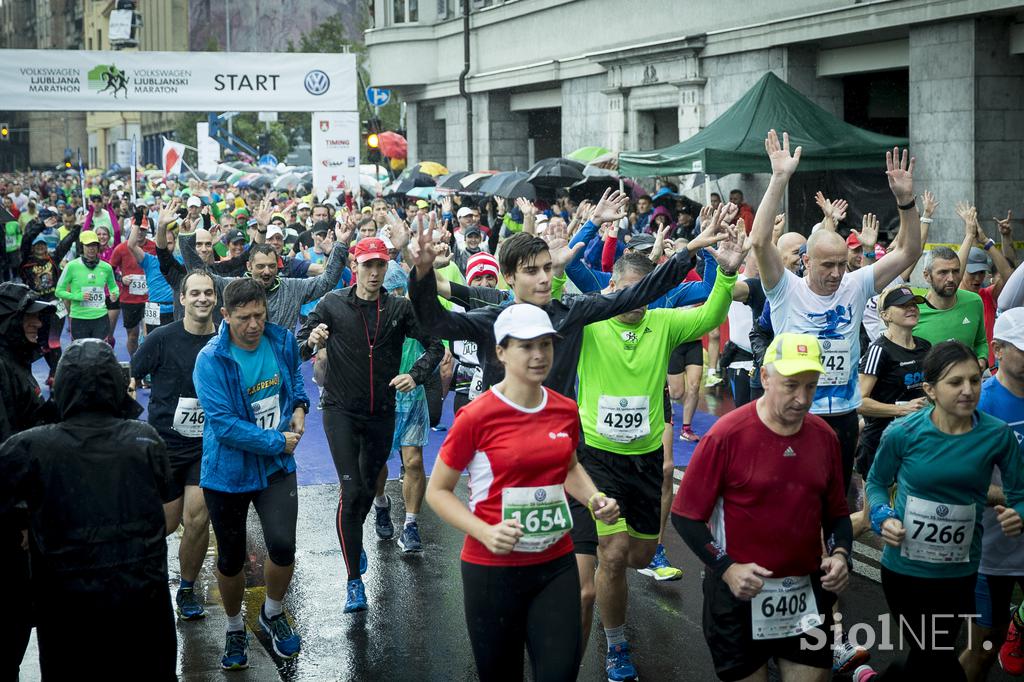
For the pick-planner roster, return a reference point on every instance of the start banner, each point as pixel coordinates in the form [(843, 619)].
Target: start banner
[(80, 80)]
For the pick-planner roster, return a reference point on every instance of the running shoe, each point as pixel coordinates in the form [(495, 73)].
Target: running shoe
[(364, 562), (660, 568), (236, 651), (689, 435), (385, 528), (409, 540), (864, 673), (286, 641), (356, 596), (1011, 654), (189, 607), (617, 664), (712, 380), (847, 657)]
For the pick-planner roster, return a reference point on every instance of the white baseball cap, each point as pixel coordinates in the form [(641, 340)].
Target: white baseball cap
[(194, 201), (464, 211), (274, 231), (303, 205), (1009, 327), (522, 321)]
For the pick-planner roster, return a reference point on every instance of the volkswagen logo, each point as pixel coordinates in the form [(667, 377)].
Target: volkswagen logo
[(825, 345), (787, 582), (623, 402), (540, 495), (317, 82), (942, 511)]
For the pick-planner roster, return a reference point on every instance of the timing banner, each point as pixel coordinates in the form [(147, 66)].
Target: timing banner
[(79, 80), (335, 147)]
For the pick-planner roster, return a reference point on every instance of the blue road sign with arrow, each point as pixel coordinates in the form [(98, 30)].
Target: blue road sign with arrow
[(378, 97)]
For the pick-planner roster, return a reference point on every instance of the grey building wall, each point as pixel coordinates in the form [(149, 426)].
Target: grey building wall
[(585, 113), (508, 132)]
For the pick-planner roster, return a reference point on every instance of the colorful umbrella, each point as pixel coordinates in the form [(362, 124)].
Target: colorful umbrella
[(431, 168), (587, 154), (393, 145)]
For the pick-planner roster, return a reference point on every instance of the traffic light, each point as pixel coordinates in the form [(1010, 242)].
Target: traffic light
[(5, 132), (67, 161), (372, 132)]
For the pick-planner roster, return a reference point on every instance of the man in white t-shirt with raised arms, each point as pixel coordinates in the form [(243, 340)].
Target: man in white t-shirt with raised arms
[(828, 302)]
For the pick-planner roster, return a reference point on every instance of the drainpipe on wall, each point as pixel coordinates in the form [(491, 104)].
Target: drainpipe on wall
[(462, 84)]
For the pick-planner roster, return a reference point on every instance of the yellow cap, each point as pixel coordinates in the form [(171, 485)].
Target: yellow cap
[(794, 353), (89, 237), (367, 209), (422, 204)]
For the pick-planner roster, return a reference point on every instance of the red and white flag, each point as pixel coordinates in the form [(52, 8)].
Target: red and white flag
[(174, 154)]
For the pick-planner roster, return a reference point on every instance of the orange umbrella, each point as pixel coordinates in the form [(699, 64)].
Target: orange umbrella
[(393, 145)]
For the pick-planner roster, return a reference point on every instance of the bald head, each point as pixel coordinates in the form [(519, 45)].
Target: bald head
[(789, 247), (204, 245), (826, 262)]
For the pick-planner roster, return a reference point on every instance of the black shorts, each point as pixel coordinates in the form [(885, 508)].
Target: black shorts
[(686, 355), (132, 314), (735, 652), (634, 481), (584, 529), (184, 468), (90, 329)]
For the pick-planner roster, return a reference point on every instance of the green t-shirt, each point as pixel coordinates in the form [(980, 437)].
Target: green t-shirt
[(12, 236), (86, 288), (945, 470), (622, 371), (964, 322)]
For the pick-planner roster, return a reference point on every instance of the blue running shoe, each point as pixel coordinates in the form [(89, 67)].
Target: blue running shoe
[(356, 598), (189, 607), (286, 641), (236, 651), (660, 568), (409, 540), (617, 665), (385, 528), (364, 562)]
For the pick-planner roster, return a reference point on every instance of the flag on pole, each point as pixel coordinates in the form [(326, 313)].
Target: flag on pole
[(81, 176), (174, 154), (135, 164)]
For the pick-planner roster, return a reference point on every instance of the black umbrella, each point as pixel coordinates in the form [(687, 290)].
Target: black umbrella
[(555, 172), (451, 181), (510, 184), (406, 181)]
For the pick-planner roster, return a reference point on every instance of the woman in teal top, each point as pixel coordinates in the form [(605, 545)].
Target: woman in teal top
[(941, 460)]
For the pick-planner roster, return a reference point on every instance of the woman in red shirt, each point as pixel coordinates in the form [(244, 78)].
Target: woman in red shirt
[(518, 441)]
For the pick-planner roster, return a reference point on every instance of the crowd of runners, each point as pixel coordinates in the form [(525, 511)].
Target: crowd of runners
[(566, 332)]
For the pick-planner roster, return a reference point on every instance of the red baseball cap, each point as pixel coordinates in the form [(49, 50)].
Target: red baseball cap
[(852, 242), (371, 248)]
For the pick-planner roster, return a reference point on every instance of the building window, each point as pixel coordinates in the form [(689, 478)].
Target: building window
[(405, 11), (446, 9)]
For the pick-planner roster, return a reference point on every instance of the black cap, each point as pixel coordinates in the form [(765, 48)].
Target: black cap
[(901, 295), (320, 226), (45, 213), (475, 229), (235, 236), (641, 242)]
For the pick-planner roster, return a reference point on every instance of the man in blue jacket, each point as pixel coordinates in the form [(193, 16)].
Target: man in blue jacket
[(248, 381)]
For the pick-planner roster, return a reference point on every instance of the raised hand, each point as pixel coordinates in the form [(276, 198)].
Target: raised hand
[(499, 205), (779, 226), (168, 213), (561, 254), (446, 204), (899, 170), (526, 206), (611, 208), (783, 163), (343, 233), (264, 213), (868, 235), (839, 207), (929, 204), (732, 248), (444, 255), (710, 234), (1005, 225), (424, 259)]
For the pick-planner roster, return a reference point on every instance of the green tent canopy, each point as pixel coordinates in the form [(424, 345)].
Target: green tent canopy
[(734, 142)]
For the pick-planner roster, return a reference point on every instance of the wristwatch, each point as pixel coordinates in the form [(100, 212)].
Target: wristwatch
[(849, 559)]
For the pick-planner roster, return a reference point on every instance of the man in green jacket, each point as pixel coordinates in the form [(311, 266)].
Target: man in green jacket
[(84, 285)]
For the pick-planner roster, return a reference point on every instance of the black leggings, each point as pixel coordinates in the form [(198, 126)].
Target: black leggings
[(940, 604), (509, 606), (90, 329), (739, 384), (847, 430), (278, 508), (360, 446)]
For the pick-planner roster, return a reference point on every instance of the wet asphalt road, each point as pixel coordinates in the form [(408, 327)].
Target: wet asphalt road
[(415, 630)]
